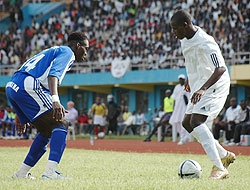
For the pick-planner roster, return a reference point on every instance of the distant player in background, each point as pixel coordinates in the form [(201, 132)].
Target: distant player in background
[(168, 110), (181, 98), (99, 112), (33, 93), (208, 81)]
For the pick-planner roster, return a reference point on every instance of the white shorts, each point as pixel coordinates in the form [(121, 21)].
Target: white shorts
[(209, 106), (99, 120)]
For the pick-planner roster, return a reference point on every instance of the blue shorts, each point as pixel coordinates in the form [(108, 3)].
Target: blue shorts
[(28, 97)]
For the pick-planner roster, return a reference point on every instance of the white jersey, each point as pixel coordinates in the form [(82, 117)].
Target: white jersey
[(202, 55)]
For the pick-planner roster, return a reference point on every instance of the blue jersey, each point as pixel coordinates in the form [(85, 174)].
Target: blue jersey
[(55, 61)]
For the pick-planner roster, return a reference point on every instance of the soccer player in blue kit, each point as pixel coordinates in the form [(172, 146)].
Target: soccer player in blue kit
[(33, 93)]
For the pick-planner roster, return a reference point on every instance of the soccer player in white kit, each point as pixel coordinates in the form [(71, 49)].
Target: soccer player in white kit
[(208, 81)]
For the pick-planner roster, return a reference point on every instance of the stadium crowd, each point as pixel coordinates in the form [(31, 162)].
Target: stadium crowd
[(129, 29)]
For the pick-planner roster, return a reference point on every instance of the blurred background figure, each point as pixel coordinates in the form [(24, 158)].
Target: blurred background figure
[(228, 123), (129, 124), (113, 112), (99, 112), (71, 117), (180, 97), (83, 123), (168, 109), (120, 121), (140, 123), (242, 123), (126, 113)]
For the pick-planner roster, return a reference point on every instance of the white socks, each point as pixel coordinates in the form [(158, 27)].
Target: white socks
[(206, 138), (51, 167), (23, 170), (174, 132), (222, 152)]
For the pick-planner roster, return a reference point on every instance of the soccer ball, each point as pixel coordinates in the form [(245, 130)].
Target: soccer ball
[(189, 169), (101, 135)]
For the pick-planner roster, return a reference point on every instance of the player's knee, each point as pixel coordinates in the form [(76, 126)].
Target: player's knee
[(197, 119), (194, 122), (186, 123)]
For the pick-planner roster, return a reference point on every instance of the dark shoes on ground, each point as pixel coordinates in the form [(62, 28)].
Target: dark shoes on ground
[(147, 140)]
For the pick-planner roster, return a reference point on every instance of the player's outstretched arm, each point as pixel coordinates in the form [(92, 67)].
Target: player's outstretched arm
[(212, 80), (58, 109)]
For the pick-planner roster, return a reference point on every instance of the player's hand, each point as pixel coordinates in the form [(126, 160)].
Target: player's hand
[(197, 96), (187, 87), (21, 127), (58, 111)]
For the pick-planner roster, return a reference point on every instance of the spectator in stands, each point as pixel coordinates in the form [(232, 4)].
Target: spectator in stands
[(140, 121), (120, 121), (126, 113), (139, 26), (99, 112), (155, 115), (3, 116), (129, 124), (181, 98), (161, 112), (113, 112), (72, 115), (243, 123), (168, 109), (228, 123), (83, 123), (10, 122)]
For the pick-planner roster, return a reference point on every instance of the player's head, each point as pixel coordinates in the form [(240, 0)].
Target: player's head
[(78, 41), (180, 23)]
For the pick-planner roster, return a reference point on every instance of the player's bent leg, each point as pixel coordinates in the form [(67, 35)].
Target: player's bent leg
[(148, 139), (37, 149), (57, 130), (205, 137), (186, 123), (57, 146)]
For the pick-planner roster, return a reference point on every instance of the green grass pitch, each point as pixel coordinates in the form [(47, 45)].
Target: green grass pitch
[(117, 170)]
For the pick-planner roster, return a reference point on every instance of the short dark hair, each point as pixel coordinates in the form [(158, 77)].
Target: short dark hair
[(181, 17), (77, 37)]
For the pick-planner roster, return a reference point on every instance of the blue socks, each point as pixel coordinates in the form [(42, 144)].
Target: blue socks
[(57, 143), (37, 149)]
